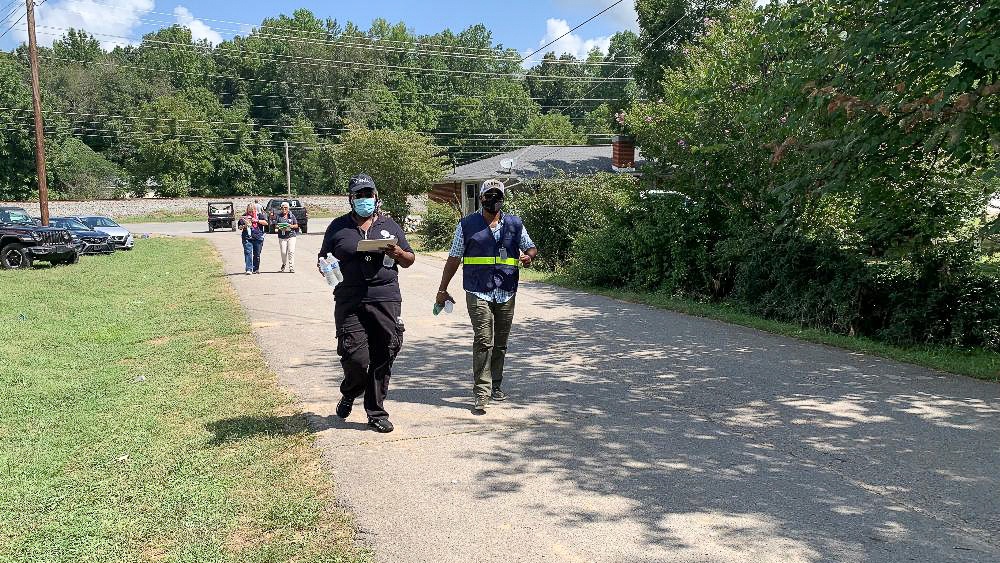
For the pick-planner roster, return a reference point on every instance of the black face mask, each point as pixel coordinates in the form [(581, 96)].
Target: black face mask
[(493, 204)]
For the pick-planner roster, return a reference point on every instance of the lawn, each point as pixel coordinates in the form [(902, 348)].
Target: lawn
[(167, 217), (981, 364), (138, 421), (163, 216)]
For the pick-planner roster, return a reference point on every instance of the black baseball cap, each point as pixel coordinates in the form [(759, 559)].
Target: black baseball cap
[(360, 182)]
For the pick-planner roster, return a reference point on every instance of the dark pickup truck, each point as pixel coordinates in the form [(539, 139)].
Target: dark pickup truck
[(296, 208), (22, 241)]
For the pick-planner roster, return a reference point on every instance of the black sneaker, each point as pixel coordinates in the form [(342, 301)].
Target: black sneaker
[(380, 425), (344, 407), (498, 395)]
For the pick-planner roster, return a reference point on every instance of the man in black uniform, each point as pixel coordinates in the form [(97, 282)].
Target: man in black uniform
[(368, 301)]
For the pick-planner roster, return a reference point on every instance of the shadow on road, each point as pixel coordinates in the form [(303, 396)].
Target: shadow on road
[(713, 441), (717, 436)]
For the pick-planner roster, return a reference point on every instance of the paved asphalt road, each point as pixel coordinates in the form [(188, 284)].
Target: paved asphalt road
[(634, 434)]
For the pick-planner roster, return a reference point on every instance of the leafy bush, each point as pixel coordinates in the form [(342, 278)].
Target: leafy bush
[(80, 173), (438, 225), (655, 246), (851, 201), (557, 211)]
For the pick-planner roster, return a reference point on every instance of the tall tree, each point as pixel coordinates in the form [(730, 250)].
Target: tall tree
[(667, 25), (17, 164), (402, 163)]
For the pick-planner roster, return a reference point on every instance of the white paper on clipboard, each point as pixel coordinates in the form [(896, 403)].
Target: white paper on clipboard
[(375, 245)]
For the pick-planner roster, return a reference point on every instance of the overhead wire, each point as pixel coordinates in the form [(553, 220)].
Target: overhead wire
[(251, 126), (464, 136), (273, 83), (249, 28), (15, 23), (643, 50), (592, 18), (511, 75)]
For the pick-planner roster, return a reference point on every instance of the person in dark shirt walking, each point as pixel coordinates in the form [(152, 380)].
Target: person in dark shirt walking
[(368, 303)]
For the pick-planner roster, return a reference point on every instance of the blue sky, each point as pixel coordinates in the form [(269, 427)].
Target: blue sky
[(522, 24)]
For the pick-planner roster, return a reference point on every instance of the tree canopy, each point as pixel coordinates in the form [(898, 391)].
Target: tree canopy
[(180, 116)]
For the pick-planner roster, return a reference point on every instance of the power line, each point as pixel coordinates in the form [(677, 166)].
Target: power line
[(295, 59), (7, 7), (433, 71), (128, 41), (592, 18), (471, 137), (255, 29), (416, 49), (269, 82), (640, 52), (13, 24)]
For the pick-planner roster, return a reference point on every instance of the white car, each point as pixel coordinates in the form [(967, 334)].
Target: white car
[(120, 236)]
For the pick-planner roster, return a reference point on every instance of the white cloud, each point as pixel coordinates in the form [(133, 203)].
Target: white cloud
[(113, 22), (199, 29), (573, 44), (623, 15), (113, 17)]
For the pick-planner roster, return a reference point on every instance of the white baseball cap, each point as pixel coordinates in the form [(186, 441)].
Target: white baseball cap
[(492, 184)]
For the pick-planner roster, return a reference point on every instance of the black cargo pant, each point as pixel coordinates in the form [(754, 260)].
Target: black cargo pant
[(369, 335)]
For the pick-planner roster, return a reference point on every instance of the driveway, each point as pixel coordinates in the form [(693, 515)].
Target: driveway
[(634, 434)]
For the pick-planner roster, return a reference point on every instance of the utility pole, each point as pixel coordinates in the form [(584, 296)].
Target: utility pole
[(36, 99), (288, 169)]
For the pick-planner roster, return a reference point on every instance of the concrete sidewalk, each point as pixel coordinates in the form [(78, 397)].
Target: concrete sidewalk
[(634, 434)]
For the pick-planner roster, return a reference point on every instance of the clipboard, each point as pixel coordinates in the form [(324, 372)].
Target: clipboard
[(375, 245)]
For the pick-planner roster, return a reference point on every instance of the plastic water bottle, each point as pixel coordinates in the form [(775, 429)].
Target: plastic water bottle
[(448, 307), (388, 261), (330, 267)]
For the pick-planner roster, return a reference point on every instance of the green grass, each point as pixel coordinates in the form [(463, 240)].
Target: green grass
[(167, 217), (981, 364), (138, 421), (186, 215)]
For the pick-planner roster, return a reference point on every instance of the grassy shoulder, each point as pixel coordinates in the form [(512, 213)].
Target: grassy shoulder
[(187, 215), (166, 217), (139, 421), (975, 363)]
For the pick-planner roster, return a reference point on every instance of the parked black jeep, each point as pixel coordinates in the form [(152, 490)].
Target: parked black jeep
[(295, 207), (23, 241)]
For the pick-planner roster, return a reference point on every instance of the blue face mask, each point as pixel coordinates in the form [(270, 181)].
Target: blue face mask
[(364, 207)]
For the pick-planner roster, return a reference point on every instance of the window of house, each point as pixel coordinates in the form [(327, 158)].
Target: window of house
[(470, 201)]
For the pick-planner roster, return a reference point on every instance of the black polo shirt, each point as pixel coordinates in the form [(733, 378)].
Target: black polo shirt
[(365, 279)]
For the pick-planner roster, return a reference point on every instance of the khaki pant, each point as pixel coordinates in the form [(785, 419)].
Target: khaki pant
[(491, 327), (287, 247)]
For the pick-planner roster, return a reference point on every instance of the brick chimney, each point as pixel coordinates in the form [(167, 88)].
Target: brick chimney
[(622, 152)]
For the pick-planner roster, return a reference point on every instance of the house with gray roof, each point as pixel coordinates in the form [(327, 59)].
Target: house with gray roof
[(534, 162)]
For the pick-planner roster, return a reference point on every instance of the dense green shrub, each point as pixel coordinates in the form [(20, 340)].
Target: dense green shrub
[(663, 243), (557, 211), (848, 199), (438, 225)]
